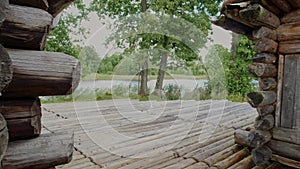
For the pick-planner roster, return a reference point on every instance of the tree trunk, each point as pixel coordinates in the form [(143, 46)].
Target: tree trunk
[(6, 69), (43, 152), (162, 69), (39, 73)]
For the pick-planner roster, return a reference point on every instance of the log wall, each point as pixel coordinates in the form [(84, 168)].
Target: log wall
[(274, 26)]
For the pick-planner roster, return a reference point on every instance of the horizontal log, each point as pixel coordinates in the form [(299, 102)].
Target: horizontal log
[(43, 152), (268, 83), (289, 31), (246, 163), (258, 138), (289, 47), (39, 73), (286, 161), (265, 32), (56, 6), (25, 28), (267, 58), (3, 8), (294, 4), (6, 69), (241, 138), (287, 135), (233, 26), (23, 117), (233, 159), (283, 5), (265, 110), (258, 99), (267, 4), (266, 45), (285, 149), (263, 70), (264, 122), (291, 17), (262, 156), (258, 14), (3, 137), (42, 4), (232, 15)]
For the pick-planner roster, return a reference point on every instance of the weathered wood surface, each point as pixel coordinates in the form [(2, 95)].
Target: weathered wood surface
[(25, 28), (291, 17), (42, 4), (266, 45), (265, 110), (269, 6), (43, 152), (283, 5), (263, 98), (264, 122), (287, 135), (155, 142), (258, 14), (6, 70), (265, 32), (263, 70), (3, 8), (241, 138), (3, 137), (285, 149), (289, 47), (268, 84), (56, 6), (266, 58), (39, 73), (290, 92), (286, 161), (262, 155), (289, 32), (279, 89), (258, 138)]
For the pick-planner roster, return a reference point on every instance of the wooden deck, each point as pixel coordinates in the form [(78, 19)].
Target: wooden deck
[(152, 134)]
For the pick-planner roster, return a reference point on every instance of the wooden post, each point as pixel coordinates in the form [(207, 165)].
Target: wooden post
[(6, 70), (25, 28), (39, 73), (45, 151)]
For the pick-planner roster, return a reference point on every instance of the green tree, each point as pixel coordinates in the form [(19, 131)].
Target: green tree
[(89, 60), (128, 18), (108, 64)]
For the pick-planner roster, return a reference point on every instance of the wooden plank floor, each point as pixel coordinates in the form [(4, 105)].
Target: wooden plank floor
[(129, 134)]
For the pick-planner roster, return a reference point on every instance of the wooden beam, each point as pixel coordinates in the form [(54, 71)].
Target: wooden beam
[(264, 122), (43, 152), (289, 47), (262, 98), (269, 6), (267, 58), (287, 135), (23, 117), (39, 73), (258, 14), (267, 84), (233, 26), (25, 28), (285, 149), (258, 138), (41, 4), (6, 70), (243, 164), (56, 6), (262, 155), (266, 45), (288, 32), (263, 70), (232, 15), (265, 32), (286, 161), (292, 17)]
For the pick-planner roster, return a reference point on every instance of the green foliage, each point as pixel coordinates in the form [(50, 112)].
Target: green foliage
[(89, 60), (108, 64), (172, 92)]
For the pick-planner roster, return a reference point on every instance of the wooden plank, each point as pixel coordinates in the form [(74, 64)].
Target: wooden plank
[(41, 4), (285, 149), (43, 152), (6, 70), (289, 89), (279, 90), (25, 28), (287, 135), (40, 73), (289, 47)]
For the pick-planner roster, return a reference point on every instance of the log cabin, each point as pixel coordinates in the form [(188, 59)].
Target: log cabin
[(274, 26)]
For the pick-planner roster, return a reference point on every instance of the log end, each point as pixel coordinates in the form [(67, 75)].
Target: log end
[(75, 78), (262, 156), (6, 70)]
